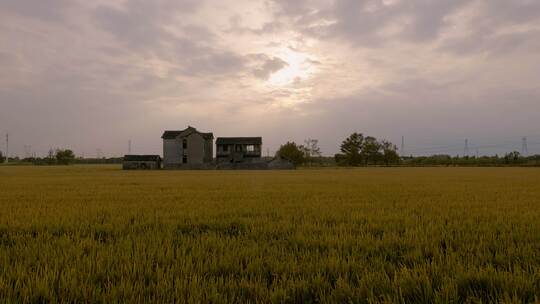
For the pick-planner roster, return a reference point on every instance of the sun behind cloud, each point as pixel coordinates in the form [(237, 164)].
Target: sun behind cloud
[(299, 67)]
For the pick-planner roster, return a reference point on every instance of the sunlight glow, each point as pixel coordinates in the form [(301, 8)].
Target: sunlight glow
[(299, 67)]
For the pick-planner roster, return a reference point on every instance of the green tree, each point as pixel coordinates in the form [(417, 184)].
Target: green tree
[(390, 155), (2, 158), (51, 157), (64, 157), (351, 149), (292, 152), (513, 158), (371, 150)]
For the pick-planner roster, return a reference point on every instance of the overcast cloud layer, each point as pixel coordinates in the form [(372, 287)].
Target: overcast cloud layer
[(93, 74)]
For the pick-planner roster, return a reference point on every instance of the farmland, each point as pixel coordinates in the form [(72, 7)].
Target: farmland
[(100, 234)]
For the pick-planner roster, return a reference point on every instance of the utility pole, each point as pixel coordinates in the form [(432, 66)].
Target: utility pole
[(466, 149), (524, 150), (7, 148), (402, 146)]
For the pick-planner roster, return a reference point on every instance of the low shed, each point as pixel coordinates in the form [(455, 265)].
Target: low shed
[(141, 162), (280, 163)]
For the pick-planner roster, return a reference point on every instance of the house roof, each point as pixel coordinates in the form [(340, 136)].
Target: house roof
[(239, 140), (170, 134), (142, 157)]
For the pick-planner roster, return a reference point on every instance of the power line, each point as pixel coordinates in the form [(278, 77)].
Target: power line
[(438, 148), (505, 144)]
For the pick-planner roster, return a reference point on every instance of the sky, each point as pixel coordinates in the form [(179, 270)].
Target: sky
[(92, 75)]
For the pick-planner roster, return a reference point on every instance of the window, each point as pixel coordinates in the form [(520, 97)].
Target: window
[(184, 159), (184, 143), (250, 148), (238, 148), (225, 148)]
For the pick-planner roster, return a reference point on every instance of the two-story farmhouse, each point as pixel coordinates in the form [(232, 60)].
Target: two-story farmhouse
[(238, 149), (239, 153), (188, 149)]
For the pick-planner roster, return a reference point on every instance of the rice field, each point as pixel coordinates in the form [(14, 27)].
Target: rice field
[(367, 235)]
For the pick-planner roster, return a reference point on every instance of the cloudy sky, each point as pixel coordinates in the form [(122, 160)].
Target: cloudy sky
[(91, 75)]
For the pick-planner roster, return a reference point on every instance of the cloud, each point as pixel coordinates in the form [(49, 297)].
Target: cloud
[(367, 23), (375, 23), (91, 74), (48, 11), (141, 24), (267, 66)]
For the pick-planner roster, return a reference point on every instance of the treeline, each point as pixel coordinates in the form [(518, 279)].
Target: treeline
[(54, 157), (509, 159), (359, 150), (356, 150), (60, 157)]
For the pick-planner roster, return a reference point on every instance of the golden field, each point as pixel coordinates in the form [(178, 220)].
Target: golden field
[(100, 234)]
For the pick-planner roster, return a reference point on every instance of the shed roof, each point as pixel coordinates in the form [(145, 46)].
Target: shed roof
[(172, 134), (239, 140), (142, 158)]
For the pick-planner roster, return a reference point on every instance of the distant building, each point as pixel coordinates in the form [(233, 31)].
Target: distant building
[(189, 149), (238, 150), (141, 162), (279, 163)]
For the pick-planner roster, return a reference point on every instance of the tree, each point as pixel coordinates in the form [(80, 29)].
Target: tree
[(311, 150), (390, 155), (64, 157), (351, 149), (2, 158), (292, 152), (371, 150), (51, 157), (513, 158)]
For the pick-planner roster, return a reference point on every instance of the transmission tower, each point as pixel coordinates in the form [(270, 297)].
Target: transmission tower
[(524, 150), (466, 149), (27, 151)]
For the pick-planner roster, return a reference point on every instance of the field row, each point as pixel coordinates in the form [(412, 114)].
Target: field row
[(98, 233)]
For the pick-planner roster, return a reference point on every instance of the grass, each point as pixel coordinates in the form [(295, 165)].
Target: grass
[(424, 235)]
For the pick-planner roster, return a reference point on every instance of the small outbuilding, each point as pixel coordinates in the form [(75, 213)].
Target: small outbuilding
[(141, 162), (280, 163)]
